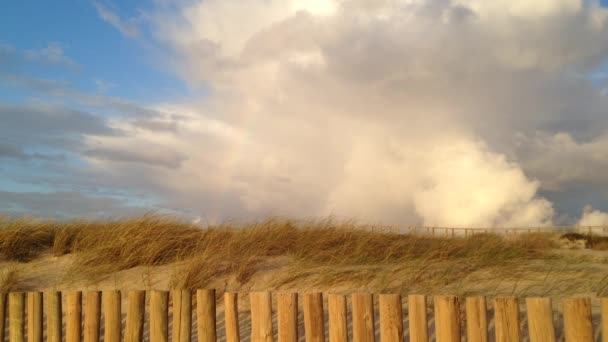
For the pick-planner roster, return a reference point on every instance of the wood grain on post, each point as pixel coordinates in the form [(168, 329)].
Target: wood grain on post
[(16, 316), (159, 316), (53, 316), (506, 319), (447, 319), (313, 317), (578, 326), (363, 317), (205, 315), (231, 317), (540, 320), (338, 319), (2, 314), (112, 316), (287, 320), (92, 316), (136, 307), (73, 317), (391, 318), (604, 329), (477, 319), (34, 317), (417, 318), (182, 315), (261, 317)]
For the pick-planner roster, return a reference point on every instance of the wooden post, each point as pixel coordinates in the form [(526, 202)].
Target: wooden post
[(506, 319), (205, 315), (92, 316), (261, 316), (363, 317), (182, 315), (604, 329), (159, 316), (417, 316), (338, 319), (287, 320), (540, 320), (53, 316), (134, 331), (477, 319), (34, 317), (2, 314), (112, 316), (231, 317), (73, 317), (578, 326), (313, 317), (391, 318), (16, 316), (447, 319)]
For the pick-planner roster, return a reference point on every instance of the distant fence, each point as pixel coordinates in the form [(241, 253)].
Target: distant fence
[(448, 319), (447, 232)]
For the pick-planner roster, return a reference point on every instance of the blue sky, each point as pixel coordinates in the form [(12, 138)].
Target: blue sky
[(305, 108)]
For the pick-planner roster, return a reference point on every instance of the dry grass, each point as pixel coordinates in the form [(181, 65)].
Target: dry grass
[(324, 247)]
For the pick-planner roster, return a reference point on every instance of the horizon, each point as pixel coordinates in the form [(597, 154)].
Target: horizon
[(444, 113)]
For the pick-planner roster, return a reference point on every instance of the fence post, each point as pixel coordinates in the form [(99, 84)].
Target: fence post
[(338, 319), (159, 316), (182, 315), (447, 319), (34, 317), (16, 316), (73, 317), (92, 316), (53, 316), (2, 314), (136, 307), (391, 318), (578, 326), (477, 319), (112, 316), (416, 307), (540, 320), (313, 317), (231, 317), (506, 319), (363, 317), (287, 320), (604, 328), (205, 315), (261, 316)]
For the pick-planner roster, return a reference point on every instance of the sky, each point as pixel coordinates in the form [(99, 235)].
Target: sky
[(459, 113)]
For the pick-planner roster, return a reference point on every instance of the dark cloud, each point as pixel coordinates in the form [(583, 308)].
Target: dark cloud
[(27, 124), (152, 156), (65, 205)]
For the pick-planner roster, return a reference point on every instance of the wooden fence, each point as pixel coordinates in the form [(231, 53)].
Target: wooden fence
[(453, 232), (440, 318)]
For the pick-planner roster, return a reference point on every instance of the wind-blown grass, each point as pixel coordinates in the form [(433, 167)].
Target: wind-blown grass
[(103, 247)]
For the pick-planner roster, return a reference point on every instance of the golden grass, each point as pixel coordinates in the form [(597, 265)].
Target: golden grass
[(321, 246)]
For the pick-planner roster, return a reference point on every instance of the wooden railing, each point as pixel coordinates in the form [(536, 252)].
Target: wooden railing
[(452, 232), (449, 318)]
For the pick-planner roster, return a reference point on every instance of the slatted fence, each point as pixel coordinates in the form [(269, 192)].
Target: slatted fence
[(168, 316)]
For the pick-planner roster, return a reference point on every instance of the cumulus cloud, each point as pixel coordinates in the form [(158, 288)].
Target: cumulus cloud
[(392, 111), (593, 217), (438, 112)]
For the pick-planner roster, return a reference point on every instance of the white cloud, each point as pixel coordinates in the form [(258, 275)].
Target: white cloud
[(127, 27), (593, 217), (52, 54), (392, 110)]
